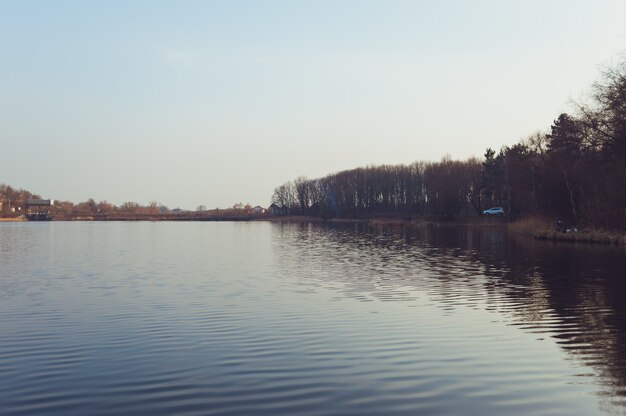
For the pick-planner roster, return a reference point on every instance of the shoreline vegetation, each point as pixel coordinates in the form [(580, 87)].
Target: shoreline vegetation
[(541, 229), (530, 227), (565, 185)]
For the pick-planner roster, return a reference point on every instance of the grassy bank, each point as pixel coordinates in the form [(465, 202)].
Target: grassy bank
[(12, 219), (533, 227), (542, 229), (473, 221)]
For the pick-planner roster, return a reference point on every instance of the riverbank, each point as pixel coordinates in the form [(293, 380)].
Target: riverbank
[(541, 229), (433, 221), (12, 219), (537, 228)]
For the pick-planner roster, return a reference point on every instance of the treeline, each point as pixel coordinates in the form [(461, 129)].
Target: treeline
[(576, 172), (13, 204), (106, 210), (91, 208), (13, 199)]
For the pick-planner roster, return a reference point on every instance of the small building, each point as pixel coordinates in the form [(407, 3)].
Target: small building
[(258, 210), (39, 209), (276, 210)]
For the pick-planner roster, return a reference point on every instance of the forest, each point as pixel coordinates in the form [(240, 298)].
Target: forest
[(576, 172)]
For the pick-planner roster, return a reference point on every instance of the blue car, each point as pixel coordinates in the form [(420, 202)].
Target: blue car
[(494, 211)]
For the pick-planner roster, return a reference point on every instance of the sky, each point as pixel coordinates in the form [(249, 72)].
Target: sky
[(213, 103)]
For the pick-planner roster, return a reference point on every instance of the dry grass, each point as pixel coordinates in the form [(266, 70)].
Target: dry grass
[(584, 236), (530, 226), (388, 221), (542, 229)]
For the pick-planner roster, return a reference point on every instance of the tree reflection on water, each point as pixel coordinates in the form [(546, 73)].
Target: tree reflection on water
[(570, 293)]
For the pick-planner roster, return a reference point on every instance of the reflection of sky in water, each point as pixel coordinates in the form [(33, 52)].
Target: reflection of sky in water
[(260, 318)]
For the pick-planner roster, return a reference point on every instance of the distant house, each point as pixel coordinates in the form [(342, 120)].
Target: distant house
[(39, 209), (258, 210), (275, 209)]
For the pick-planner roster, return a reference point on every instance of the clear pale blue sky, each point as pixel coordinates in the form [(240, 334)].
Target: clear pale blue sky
[(213, 103)]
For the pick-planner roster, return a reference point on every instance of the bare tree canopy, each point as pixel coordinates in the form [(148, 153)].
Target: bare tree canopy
[(576, 172)]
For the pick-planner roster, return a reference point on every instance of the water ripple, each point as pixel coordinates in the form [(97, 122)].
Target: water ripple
[(270, 319)]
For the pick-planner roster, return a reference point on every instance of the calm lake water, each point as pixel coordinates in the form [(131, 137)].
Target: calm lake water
[(306, 319)]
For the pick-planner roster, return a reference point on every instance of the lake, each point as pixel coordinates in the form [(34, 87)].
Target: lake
[(260, 318)]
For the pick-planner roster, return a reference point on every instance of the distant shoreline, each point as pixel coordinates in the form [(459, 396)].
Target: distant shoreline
[(530, 227)]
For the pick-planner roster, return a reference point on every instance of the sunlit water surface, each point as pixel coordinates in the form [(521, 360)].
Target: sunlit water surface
[(305, 319)]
